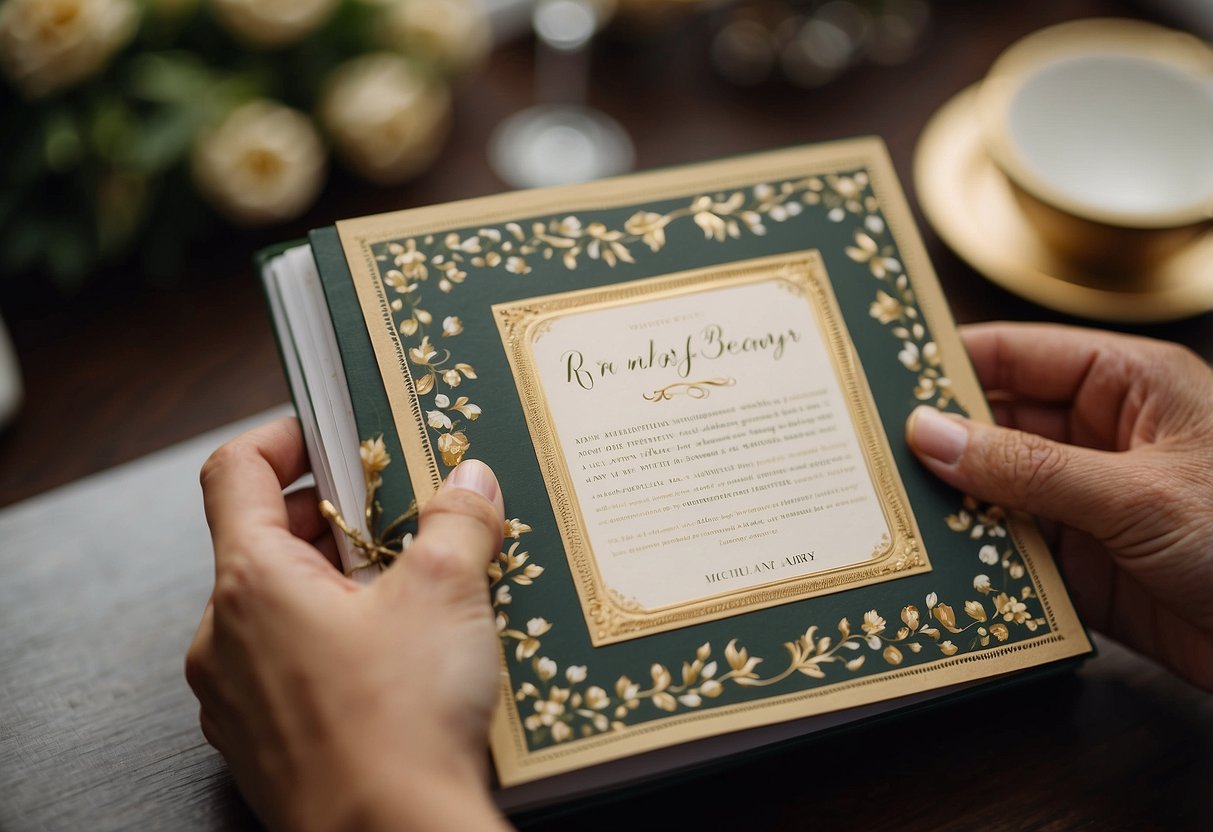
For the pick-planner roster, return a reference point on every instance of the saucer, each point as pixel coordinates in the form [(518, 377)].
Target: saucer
[(971, 205)]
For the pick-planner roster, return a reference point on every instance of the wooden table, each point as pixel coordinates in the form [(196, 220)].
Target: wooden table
[(101, 583)]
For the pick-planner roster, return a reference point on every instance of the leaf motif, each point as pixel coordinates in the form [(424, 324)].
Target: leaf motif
[(665, 701), (945, 616)]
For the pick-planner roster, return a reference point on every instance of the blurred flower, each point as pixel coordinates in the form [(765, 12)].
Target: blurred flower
[(386, 121), (265, 163), (273, 22), (452, 35), (47, 45)]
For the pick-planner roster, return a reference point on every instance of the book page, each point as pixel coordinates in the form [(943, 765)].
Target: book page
[(713, 436)]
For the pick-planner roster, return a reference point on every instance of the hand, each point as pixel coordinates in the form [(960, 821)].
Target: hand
[(1112, 437), (337, 705)]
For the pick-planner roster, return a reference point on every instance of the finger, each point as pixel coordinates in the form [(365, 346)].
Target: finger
[(199, 658), (1047, 362), (458, 533), (242, 484), (303, 516), (210, 729), (1049, 420), (1017, 470)]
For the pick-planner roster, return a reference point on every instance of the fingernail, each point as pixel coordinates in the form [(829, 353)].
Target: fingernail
[(938, 436), (473, 475)]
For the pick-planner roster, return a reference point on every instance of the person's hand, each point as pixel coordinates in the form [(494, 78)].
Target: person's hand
[(1112, 437), (337, 705)]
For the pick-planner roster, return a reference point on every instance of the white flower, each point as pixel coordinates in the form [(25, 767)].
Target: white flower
[(536, 627), (545, 668), (387, 121), (516, 265), (452, 35), (988, 555), (981, 583), (47, 45), (438, 420), (597, 698), (872, 623), (442, 401), (273, 22), (265, 163), (515, 528), (575, 673), (451, 325)]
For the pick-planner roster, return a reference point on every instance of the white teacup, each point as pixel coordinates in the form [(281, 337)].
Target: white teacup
[(1105, 128)]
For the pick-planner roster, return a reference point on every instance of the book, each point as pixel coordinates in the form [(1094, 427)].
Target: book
[(692, 384)]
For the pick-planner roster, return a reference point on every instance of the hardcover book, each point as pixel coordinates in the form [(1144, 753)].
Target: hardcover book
[(693, 385)]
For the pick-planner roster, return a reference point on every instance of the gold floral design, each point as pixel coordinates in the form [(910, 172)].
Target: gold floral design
[(895, 306), (565, 706), (446, 259), (380, 547), (557, 707), (383, 546)]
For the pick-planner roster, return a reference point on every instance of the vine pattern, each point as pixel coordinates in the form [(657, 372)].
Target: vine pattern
[(408, 266), (559, 705)]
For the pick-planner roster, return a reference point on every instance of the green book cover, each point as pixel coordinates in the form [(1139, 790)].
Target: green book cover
[(693, 385)]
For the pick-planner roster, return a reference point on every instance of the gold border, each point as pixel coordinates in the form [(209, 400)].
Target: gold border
[(359, 235), (608, 618), (398, 382), (515, 764)]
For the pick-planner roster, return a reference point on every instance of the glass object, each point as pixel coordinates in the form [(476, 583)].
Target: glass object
[(560, 140)]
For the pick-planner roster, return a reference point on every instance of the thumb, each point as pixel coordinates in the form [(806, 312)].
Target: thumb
[(458, 534), (1018, 470)]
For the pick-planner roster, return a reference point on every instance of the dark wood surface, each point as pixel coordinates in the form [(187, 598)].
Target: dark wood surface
[(101, 583)]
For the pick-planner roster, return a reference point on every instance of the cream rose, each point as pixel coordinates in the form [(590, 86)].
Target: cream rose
[(386, 121), (263, 164), (453, 35), (47, 45), (273, 22)]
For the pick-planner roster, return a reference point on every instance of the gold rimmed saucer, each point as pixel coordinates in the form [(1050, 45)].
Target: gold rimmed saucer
[(973, 207)]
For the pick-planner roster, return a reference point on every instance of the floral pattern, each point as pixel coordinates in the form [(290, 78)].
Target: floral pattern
[(556, 707), (408, 266), (558, 704)]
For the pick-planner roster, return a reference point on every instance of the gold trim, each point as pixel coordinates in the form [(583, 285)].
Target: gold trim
[(692, 389), (610, 618), (514, 762), (393, 363), (505, 733)]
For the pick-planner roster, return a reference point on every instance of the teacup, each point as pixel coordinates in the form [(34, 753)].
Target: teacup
[(1105, 130)]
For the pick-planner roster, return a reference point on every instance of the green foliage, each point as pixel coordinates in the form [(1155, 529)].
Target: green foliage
[(100, 168)]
